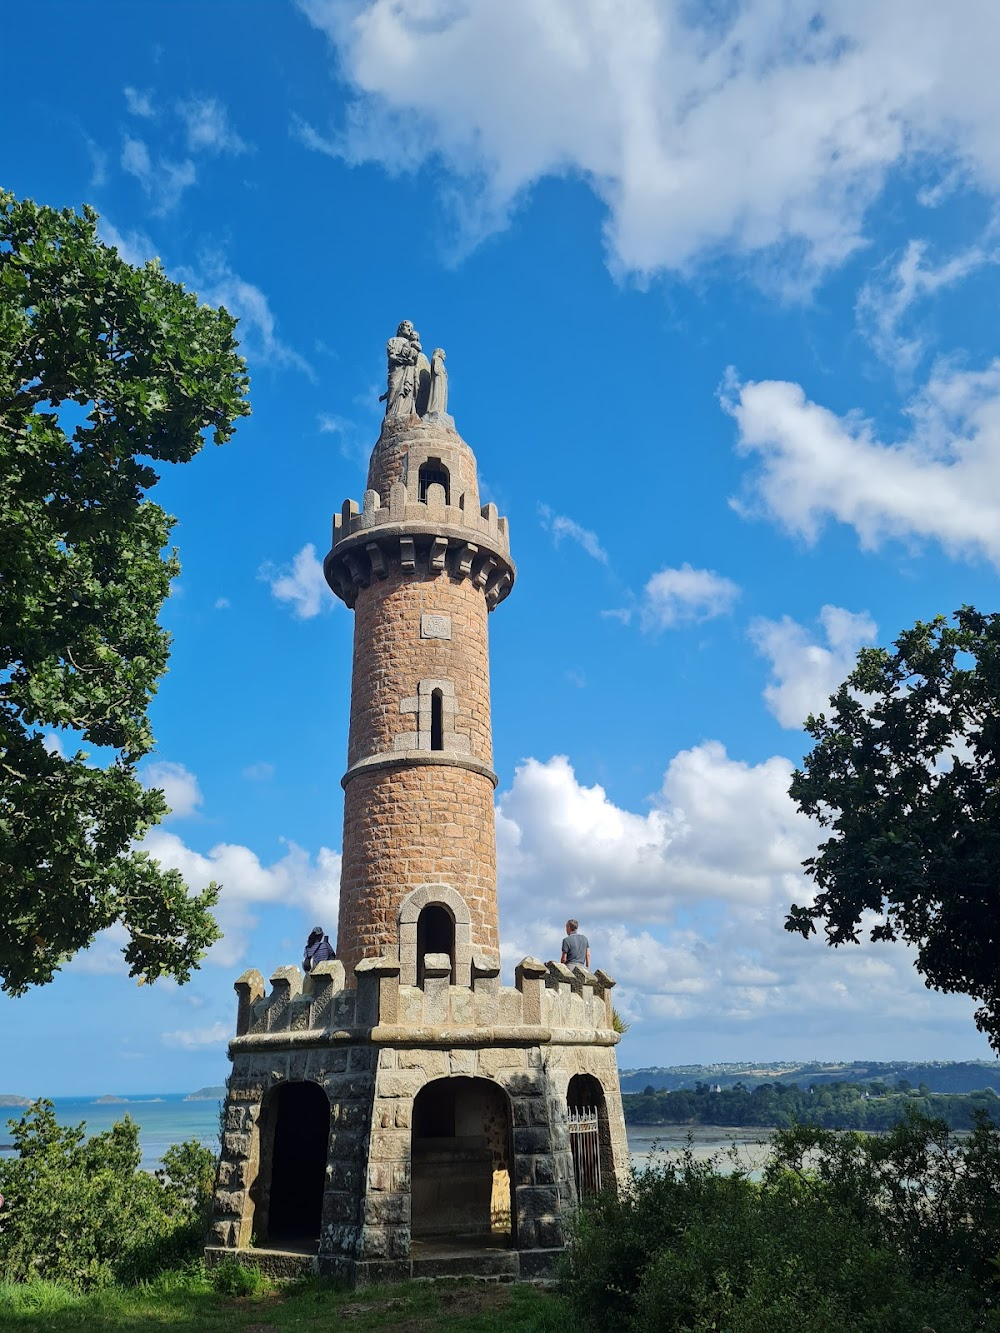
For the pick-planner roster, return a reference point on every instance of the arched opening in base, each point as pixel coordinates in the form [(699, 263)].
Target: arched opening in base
[(462, 1151), (435, 934), (589, 1135), (298, 1126)]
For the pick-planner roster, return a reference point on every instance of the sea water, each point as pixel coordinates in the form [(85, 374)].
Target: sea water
[(168, 1118), (163, 1119)]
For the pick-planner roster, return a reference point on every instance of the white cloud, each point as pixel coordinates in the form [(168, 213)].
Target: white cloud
[(135, 247), (139, 103), (685, 596), (742, 127), (162, 181), (259, 772), (217, 285), (104, 956), (190, 1039), (329, 424), (52, 744), (300, 584), (805, 673), (941, 482), (887, 298), (207, 124), (718, 828), (560, 526), (684, 905), (221, 604), (178, 784), (296, 880)]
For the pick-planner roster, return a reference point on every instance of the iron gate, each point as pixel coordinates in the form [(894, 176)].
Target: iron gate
[(585, 1142)]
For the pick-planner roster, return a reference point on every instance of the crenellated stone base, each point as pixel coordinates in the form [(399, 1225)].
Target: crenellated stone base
[(392, 1195)]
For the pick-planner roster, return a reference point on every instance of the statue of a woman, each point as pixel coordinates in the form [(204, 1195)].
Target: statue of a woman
[(438, 400), (402, 353)]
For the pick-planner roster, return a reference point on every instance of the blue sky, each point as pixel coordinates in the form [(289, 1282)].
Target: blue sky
[(718, 287)]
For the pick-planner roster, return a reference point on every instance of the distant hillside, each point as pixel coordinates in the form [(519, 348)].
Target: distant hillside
[(869, 1106), (937, 1075), (206, 1095), (9, 1099)]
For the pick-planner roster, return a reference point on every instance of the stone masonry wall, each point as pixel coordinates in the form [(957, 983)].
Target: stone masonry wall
[(409, 826), (391, 657), (405, 443), (372, 1049)]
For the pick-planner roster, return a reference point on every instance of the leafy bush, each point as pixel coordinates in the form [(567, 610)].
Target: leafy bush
[(81, 1212), (231, 1278), (844, 1232)]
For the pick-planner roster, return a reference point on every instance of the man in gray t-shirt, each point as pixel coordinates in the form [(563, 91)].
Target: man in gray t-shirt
[(575, 947)]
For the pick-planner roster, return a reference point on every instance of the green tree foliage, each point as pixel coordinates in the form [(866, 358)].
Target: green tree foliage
[(105, 369), (80, 1211), (844, 1234), (906, 774), (838, 1105)]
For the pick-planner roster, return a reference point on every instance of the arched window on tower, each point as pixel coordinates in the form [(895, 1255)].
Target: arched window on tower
[(431, 473), (437, 720), (435, 934)]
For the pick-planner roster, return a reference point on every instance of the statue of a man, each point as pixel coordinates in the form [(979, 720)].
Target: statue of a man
[(402, 352), (438, 399)]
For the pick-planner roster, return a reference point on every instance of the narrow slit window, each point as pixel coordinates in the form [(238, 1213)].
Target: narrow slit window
[(437, 720)]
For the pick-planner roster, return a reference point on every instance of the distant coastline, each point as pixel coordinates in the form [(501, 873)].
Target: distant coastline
[(215, 1094)]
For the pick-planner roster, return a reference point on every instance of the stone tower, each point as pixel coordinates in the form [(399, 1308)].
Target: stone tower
[(398, 1112), (422, 565)]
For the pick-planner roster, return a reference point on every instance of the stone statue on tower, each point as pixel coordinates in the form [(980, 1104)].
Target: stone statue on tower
[(409, 380)]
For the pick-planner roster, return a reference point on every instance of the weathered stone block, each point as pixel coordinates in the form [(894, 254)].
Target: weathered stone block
[(545, 1169), (387, 1209), (399, 1242), (537, 1200), (379, 1177), (229, 1203), (223, 1233), (389, 1145), (373, 1242), (462, 1007), (462, 1062), (361, 1059), (525, 1085), (491, 1061), (339, 1209), (510, 1008), (236, 1145), (401, 1084), (531, 1140), (433, 1064)]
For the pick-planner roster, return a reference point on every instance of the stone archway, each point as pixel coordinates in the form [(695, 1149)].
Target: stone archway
[(451, 901), (435, 934), (590, 1134), (295, 1133), (460, 1163)]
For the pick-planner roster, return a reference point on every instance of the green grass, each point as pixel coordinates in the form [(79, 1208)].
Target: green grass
[(189, 1300)]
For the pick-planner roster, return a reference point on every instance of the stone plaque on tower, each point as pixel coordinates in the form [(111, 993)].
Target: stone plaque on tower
[(398, 1112)]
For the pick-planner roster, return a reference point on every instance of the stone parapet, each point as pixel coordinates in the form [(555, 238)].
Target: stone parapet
[(549, 1005), (413, 534)]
